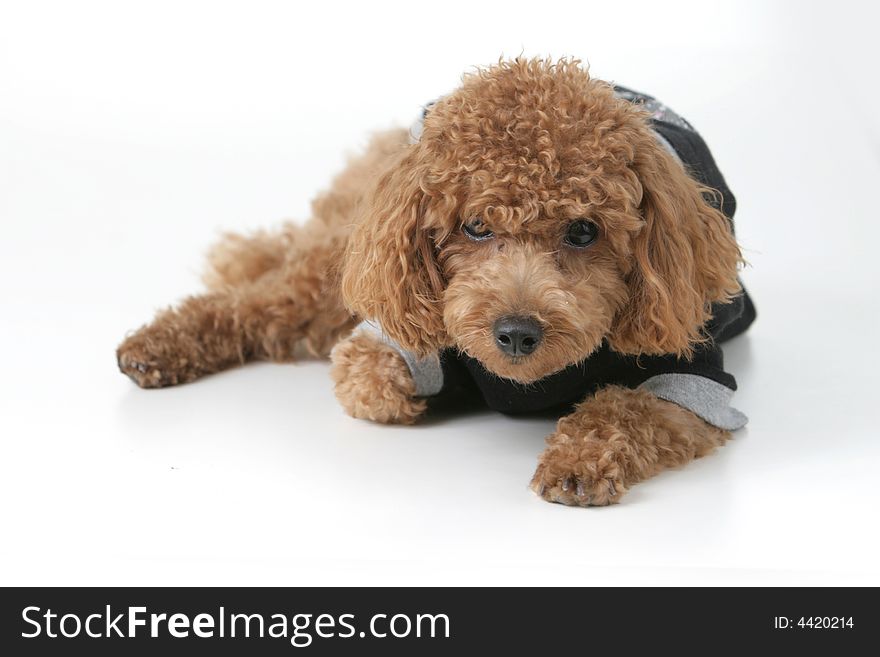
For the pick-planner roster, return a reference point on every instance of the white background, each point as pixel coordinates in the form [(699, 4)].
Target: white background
[(132, 133)]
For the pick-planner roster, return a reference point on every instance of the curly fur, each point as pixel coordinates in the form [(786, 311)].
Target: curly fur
[(270, 292), (373, 382), (527, 146), (616, 439)]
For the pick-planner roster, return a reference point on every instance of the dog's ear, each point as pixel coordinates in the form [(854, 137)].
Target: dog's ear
[(390, 274), (684, 258)]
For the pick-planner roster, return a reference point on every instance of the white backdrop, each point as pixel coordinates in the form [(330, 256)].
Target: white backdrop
[(131, 133)]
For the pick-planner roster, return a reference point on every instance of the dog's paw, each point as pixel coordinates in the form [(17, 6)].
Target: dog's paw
[(150, 364), (137, 367), (373, 382), (578, 472)]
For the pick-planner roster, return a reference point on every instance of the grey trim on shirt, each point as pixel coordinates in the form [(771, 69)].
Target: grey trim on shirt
[(704, 397), (669, 147), (415, 130), (426, 372)]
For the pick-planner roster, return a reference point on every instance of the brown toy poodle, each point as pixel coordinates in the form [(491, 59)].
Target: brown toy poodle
[(540, 240)]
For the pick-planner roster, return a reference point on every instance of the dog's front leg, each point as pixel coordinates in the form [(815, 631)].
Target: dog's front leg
[(616, 439), (373, 381)]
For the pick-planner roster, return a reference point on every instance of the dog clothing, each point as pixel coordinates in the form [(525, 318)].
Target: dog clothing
[(700, 384)]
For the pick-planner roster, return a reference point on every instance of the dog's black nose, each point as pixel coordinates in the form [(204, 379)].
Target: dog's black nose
[(517, 336)]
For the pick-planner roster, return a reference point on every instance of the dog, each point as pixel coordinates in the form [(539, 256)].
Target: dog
[(540, 240)]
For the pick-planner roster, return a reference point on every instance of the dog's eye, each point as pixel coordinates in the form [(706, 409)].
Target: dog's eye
[(581, 233), (476, 230)]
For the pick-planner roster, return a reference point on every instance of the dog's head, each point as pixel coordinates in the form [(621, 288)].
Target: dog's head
[(537, 216)]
